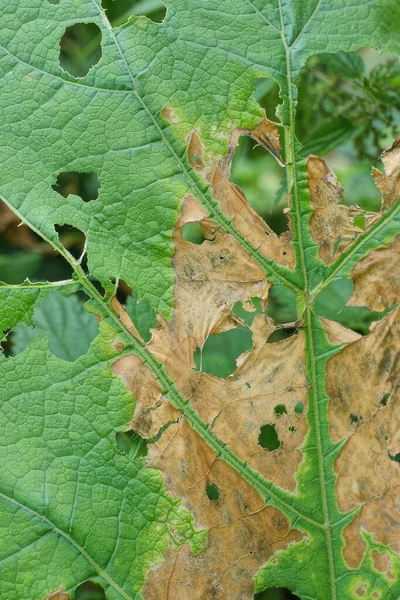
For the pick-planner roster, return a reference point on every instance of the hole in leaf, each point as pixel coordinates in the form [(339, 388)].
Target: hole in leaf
[(212, 491), (282, 304), (90, 591), (248, 311), (220, 351), (292, 429), (193, 232), (55, 2), (119, 11), (260, 177), (385, 398), (299, 408), (280, 409), (276, 594), (80, 48), (267, 96), (24, 254), (131, 443), (354, 419), (72, 239), (69, 327), (281, 334), (142, 314), (248, 384), (82, 184), (395, 458), (331, 304), (268, 437)]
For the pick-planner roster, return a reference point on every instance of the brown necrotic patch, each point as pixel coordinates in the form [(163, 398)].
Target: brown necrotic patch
[(377, 279), (211, 279), (243, 532), (231, 198), (366, 371), (334, 225)]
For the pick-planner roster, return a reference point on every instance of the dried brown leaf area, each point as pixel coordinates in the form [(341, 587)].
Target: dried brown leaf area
[(362, 383), (243, 532)]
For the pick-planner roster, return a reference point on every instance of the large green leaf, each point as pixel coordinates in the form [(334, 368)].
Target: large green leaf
[(157, 119)]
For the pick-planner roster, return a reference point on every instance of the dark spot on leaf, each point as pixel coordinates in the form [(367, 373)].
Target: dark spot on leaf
[(119, 11), (292, 429), (268, 437), (131, 443), (280, 409), (80, 48), (192, 232), (83, 184), (212, 491)]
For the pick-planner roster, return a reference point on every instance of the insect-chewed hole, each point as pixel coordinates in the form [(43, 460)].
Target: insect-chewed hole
[(83, 184), (260, 177), (119, 11), (276, 594), (80, 48), (90, 591), (193, 232), (268, 437), (299, 408), (331, 303), (267, 96), (69, 328), (131, 443), (212, 491), (220, 351), (55, 2), (281, 334), (142, 314), (72, 239), (280, 409), (395, 457), (282, 304)]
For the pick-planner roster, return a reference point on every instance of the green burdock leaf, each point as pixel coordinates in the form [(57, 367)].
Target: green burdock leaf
[(287, 468)]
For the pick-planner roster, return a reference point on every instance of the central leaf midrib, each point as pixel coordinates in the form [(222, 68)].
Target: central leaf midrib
[(301, 262)]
